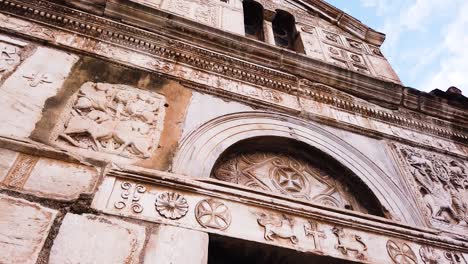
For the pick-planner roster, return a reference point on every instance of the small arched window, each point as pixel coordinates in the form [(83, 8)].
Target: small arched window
[(253, 20), (284, 29)]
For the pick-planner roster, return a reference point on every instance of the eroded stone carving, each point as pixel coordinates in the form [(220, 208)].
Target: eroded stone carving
[(20, 170), (275, 226), (442, 183), (283, 174), (115, 119), (171, 205), (131, 195), (37, 78), (350, 244), (401, 253), (9, 57), (429, 255), (213, 214), (311, 229)]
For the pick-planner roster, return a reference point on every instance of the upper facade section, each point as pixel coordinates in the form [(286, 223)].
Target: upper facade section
[(311, 28)]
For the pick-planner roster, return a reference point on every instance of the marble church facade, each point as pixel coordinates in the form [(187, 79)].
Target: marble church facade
[(219, 132)]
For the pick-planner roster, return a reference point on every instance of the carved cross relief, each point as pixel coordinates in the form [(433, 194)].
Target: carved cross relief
[(441, 183), (114, 119), (286, 175)]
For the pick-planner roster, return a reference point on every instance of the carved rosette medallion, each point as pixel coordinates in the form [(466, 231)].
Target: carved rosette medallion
[(441, 183), (171, 205), (211, 213), (401, 253), (114, 119)]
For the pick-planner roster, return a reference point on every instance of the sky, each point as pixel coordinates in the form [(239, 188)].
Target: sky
[(426, 40)]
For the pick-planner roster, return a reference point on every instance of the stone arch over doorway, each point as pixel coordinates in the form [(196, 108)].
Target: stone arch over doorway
[(201, 148)]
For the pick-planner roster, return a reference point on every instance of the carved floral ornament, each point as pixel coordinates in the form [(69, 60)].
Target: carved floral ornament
[(172, 205), (442, 185), (114, 119), (401, 253)]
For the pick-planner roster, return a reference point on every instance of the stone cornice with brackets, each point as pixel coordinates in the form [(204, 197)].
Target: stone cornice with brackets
[(90, 31)]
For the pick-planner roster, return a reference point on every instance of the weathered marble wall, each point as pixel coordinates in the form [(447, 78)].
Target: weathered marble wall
[(106, 153)]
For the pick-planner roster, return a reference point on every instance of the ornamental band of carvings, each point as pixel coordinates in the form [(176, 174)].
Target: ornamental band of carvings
[(115, 119), (172, 205), (211, 213), (131, 195), (350, 244), (275, 226), (284, 174), (20, 170), (442, 183), (401, 253)]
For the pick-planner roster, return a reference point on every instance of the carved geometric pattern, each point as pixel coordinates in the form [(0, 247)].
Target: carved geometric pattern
[(171, 205), (401, 253), (115, 119), (20, 171), (442, 185), (283, 174), (213, 214)]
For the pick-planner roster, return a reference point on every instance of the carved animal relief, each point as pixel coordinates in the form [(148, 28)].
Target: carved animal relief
[(277, 227), (283, 174), (115, 119), (442, 185), (350, 244)]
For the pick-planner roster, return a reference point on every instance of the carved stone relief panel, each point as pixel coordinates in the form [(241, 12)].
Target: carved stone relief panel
[(115, 119), (431, 255), (9, 58), (286, 175), (203, 11), (441, 185)]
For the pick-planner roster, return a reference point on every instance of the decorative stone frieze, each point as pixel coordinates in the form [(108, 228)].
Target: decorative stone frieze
[(266, 220)]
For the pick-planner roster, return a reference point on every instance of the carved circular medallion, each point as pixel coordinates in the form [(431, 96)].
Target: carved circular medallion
[(171, 205), (213, 214), (288, 177), (401, 253)]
